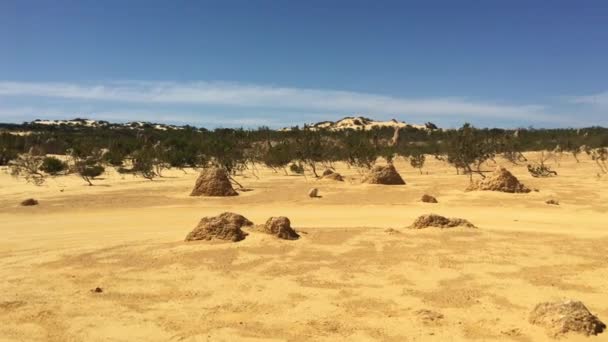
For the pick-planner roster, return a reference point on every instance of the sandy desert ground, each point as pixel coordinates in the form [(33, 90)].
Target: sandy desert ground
[(347, 278)]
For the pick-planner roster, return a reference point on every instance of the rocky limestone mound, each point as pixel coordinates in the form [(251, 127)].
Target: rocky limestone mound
[(429, 317), (383, 174), (500, 180), (314, 192), (281, 227), (29, 202), (433, 220), (327, 172), (213, 182), (225, 226), (428, 199), (334, 176), (552, 202), (562, 317)]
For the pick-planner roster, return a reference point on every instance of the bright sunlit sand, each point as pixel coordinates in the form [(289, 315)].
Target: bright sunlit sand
[(356, 273)]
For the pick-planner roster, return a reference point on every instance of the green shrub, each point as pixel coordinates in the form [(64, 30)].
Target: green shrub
[(92, 171), (296, 168), (53, 166), (123, 170)]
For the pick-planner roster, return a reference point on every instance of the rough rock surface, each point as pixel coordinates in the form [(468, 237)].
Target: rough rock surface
[(383, 174), (314, 192), (562, 317), (213, 182), (334, 176), (327, 172), (428, 199), (29, 202), (433, 220), (281, 227), (500, 180), (429, 317), (225, 226)]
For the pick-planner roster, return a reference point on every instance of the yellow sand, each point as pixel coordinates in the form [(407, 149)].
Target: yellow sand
[(345, 279)]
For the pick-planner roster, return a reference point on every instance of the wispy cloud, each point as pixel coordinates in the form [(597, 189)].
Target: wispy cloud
[(271, 97), (599, 99)]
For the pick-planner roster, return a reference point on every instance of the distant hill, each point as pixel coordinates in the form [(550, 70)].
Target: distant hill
[(363, 123), (350, 122), (78, 122)]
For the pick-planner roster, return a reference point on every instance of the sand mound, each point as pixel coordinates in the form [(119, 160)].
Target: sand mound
[(281, 227), (500, 180), (213, 182), (29, 202), (386, 174), (433, 220), (333, 176), (225, 226), (568, 316), (428, 199)]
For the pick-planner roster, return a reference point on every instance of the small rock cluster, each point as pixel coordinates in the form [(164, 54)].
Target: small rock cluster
[(228, 227)]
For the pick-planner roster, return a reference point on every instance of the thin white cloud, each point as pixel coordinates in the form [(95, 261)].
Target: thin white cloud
[(271, 97), (600, 99)]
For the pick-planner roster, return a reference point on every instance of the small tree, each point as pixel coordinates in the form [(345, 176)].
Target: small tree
[(310, 148), (143, 164), (6, 155), (88, 170), (468, 148), (114, 158), (510, 147), (600, 156), (359, 149), (417, 161), (28, 167), (277, 156)]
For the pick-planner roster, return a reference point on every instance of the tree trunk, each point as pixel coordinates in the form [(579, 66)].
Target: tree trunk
[(314, 169), (88, 180), (235, 182)]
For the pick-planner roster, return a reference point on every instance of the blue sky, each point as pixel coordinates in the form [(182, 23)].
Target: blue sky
[(277, 63)]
